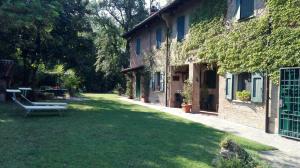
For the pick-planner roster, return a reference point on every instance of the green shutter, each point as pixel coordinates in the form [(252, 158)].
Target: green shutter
[(180, 28), (162, 81), (257, 88), (229, 86), (247, 8)]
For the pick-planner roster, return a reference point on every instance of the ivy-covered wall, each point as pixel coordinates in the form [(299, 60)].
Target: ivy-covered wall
[(261, 44)]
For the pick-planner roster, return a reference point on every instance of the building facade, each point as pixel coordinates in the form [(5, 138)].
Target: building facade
[(151, 50)]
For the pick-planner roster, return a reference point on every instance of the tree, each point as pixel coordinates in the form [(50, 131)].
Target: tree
[(28, 25)]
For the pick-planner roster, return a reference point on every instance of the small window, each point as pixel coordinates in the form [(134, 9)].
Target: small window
[(158, 38), (244, 82), (180, 28), (158, 81), (246, 8), (138, 46), (251, 83)]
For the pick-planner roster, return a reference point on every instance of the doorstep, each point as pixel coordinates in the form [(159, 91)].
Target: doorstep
[(208, 113)]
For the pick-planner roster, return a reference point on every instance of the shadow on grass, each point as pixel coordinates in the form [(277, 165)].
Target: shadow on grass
[(104, 132)]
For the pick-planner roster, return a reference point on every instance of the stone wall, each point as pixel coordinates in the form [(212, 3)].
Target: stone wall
[(249, 113)]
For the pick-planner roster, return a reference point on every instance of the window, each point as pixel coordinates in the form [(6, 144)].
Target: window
[(244, 82), (138, 46), (252, 83), (158, 81), (246, 8), (180, 28), (158, 38)]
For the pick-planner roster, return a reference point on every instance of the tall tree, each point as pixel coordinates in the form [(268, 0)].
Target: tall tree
[(124, 14), (28, 24)]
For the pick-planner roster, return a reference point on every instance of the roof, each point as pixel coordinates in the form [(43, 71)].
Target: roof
[(132, 69), (156, 15)]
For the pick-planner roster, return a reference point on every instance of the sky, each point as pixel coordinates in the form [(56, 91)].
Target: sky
[(162, 2)]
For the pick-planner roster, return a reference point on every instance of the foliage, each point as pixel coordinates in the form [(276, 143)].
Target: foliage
[(243, 95), (129, 88), (232, 155), (119, 89), (263, 44), (187, 92), (110, 20), (205, 28), (46, 32), (71, 81), (42, 33)]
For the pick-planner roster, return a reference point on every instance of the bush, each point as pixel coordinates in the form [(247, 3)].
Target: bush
[(71, 81), (129, 91), (234, 156), (119, 89), (243, 95), (187, 92), (231, 163)]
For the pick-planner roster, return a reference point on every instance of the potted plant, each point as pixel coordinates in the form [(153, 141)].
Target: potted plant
[(187, 96), (243, 95), (129, 90)]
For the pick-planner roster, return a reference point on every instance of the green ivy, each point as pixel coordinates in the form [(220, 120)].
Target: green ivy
[(263, 44)]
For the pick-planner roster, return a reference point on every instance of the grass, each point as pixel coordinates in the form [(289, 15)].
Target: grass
[(105, 132)]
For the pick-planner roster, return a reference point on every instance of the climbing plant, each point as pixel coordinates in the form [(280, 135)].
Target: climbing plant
[(261, 44)]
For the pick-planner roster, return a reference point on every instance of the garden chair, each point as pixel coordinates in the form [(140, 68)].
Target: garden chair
[(30, 108), (39, 103)]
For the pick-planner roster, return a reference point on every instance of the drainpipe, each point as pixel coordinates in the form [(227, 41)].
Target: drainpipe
[(167, 68), (267, 126), (165, 18)]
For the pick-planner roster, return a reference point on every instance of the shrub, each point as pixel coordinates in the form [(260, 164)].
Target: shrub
[(234, 156), (119, 89), (71, 81), (129, 91), (187, 92), (243, 95)]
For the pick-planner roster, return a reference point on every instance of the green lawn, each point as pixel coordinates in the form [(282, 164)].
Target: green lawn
[(105, 132)]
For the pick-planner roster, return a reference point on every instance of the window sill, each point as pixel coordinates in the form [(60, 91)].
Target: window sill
[(245, 19), (158, 91), (240, 101)]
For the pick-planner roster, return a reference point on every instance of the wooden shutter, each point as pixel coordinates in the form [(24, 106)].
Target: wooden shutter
[(257, 88), (229, 86), (246, 8), (180, 28), (162, 81), (138, 46), (158, 38)]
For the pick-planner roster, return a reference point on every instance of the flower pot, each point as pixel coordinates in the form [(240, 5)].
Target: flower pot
[(187, 108)]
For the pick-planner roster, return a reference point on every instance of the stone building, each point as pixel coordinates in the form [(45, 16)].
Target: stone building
[(151, 50)]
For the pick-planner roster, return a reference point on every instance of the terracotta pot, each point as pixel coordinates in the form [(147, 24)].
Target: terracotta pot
[(187, 108)]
